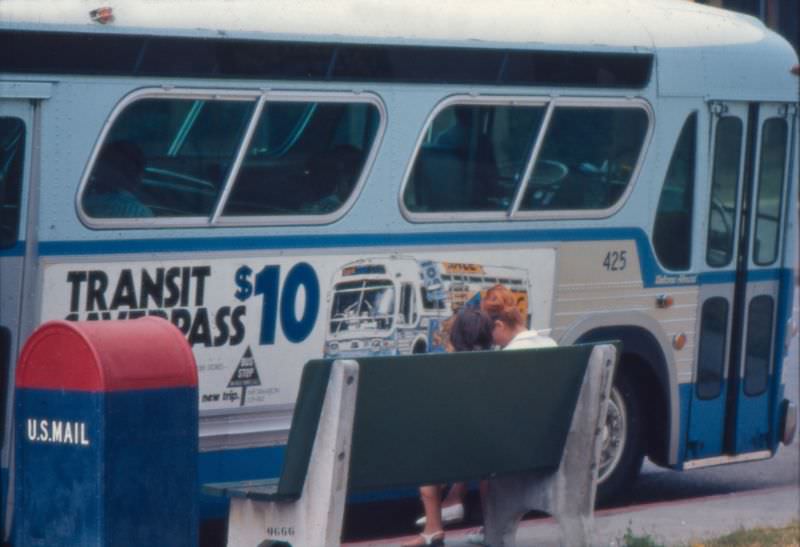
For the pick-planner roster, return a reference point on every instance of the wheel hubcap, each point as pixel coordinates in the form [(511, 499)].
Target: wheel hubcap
[(613, 435)]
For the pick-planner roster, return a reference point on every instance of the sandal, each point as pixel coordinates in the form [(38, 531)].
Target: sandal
[(435, 539), (476, 537)]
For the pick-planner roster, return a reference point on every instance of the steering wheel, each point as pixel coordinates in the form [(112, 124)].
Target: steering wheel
[(548, 173)]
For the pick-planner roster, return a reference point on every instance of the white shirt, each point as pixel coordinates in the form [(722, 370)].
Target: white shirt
[(530, 339)]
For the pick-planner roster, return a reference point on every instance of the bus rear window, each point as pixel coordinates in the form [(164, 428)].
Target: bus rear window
[(12, 152), (208, 160)]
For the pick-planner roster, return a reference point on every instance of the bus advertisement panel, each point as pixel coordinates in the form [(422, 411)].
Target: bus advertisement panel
[(253, 322)]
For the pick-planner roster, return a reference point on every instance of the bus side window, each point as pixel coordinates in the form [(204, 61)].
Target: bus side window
[(672, 230), (12, 152), (588, 158), (473, 158), (186, 148), (306, 158)]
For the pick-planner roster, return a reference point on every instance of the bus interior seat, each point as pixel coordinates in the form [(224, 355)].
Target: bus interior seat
[(266, 188), (439, 180), (331, 176)]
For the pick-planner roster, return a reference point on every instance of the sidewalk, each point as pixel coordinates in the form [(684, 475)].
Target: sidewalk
[(674, 522)]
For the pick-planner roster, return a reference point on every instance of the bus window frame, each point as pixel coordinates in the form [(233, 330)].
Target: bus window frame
[(514, 212), (261, 99), (783, 211), (715, 121)]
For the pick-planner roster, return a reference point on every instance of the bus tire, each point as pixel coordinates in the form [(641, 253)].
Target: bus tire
[(420, 347), (623, 447)]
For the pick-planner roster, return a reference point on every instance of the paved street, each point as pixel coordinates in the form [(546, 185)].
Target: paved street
[(674, 522)]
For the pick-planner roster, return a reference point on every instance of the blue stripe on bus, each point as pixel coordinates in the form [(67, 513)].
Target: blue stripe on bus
[(651, 271), (260, 243), (711, 278), (652, 274), (54, 248), (18, 249)]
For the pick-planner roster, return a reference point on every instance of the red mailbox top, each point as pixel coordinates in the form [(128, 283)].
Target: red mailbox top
[(102, 356)]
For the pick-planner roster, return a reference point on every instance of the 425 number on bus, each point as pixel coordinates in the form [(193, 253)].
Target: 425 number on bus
[(615, 261)]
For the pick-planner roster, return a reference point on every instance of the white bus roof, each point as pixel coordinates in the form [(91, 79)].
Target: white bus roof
[(610, 23), (721, 48)]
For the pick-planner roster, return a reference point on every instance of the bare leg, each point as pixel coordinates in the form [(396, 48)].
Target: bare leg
[(432, 501)]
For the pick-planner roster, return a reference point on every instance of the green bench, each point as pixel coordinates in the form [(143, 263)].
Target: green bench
[(529, 420)]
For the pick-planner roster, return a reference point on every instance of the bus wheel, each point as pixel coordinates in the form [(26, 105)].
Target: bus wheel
[(622, 449), (419, 347)]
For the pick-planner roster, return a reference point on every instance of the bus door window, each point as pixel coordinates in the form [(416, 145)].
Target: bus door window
[(12, 152), (758, 345), (769, 200), (713, 348), (722, 215), (672, 229)]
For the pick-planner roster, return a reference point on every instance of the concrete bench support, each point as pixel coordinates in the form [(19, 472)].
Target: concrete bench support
[(569, 493), (316, 517)]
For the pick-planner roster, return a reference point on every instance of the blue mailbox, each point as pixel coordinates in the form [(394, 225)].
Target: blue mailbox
[(106, 436)]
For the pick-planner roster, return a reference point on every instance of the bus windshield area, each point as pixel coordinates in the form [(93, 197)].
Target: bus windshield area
[(362, 305)]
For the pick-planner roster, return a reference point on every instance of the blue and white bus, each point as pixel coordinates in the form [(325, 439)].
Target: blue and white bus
[(219, 165)]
